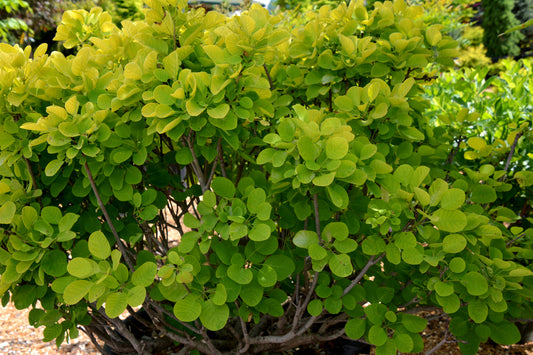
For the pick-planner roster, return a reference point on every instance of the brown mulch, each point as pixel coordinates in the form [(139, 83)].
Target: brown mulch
[(18, 337)]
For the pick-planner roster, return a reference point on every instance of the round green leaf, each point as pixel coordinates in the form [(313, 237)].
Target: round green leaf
[(335, 230), (188, 309), (444, 288), (367, 151), (305, 238), (259, 232), (51, 214), (373, 245), (223, 187), (283, 265), (144, 275), (336, 147), (184, 156), (67, 221), (478, 311), (120, 154), (53, 167), (54, 263), (404, 343), (412, 323), (475, 283), (116, 304), (219, 112), (377, 335), (452, 199), (316, 252), (256, 198), (453, 243), (7, 212), (220, 296), (136, 296), (314, 307), (450, 304), (412, 256), (483, 194), (307, 149), (341, 265), (76, 290), (505, 333), (457, 265), (267, 276), (449, 221), (324, 179), (355, 328), (214, 317), (148, 213), (338, 196), (99, 246), (239, 274), (82, 267), (251, 294)]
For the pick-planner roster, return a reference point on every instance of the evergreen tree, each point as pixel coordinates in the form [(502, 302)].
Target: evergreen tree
[(498, 17)]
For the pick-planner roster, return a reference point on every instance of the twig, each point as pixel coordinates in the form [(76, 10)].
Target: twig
[(362, 273), (30, 171), (195, 164), (268, 76), (221, 159), (108, 219), (317, 218), (509, 243), (511, 153)]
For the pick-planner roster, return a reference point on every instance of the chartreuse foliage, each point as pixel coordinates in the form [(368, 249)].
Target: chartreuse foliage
[(295, 163)]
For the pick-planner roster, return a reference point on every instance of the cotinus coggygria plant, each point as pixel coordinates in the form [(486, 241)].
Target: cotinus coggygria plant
[(247, 184)]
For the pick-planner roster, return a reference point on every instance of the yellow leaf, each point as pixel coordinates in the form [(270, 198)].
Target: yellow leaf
[(477, 143)]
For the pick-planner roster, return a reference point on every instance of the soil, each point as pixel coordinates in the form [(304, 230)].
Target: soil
[(18, 337)]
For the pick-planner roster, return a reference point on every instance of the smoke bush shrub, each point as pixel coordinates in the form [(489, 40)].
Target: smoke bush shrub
[(254, 185)]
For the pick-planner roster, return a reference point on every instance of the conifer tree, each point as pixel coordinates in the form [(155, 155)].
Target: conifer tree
[(498, 17)]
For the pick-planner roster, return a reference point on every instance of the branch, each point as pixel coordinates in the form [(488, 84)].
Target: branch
[(509, 243), (108, 219), (439, 345), (221, 159), (362, 273), (511, 153), (317, 218), (268, 76), (30, 171), (195, 164), (123, 330), (245, 336)]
